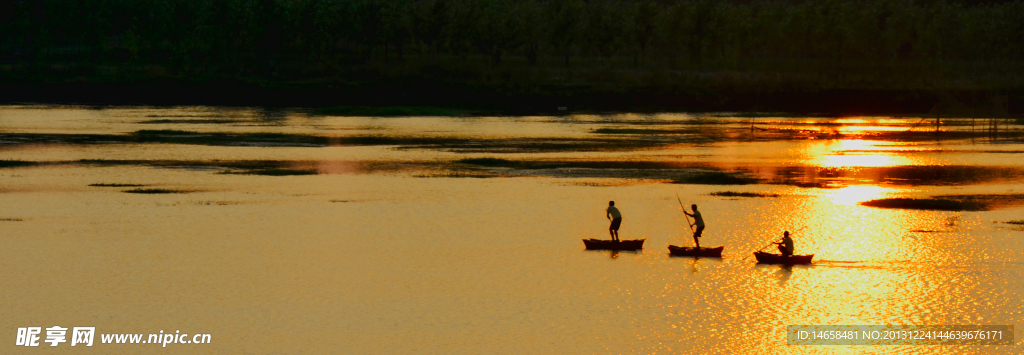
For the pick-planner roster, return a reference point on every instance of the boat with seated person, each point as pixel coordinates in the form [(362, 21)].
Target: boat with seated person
[(769, 258)]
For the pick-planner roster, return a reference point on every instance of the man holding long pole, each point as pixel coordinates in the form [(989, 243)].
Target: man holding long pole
[(697, 221)]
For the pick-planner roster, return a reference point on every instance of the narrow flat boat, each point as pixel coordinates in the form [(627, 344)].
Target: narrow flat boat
[(769, 258), (625, 244), (688, 251)]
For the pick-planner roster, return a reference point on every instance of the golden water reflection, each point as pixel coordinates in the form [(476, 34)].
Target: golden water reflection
[(852, 195), (858, 153), (356, 260)]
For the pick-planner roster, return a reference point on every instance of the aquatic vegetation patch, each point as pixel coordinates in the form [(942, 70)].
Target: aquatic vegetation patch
[(274, 172), (642, 131), (216, 203), (171, 136), (458, 174), (930, 134), (945, 175), (621, 169), (622, 131), (301, 140), (1019, 223), (742, 194), (815, 185), (595, 184), (11, 220), (754, 114), (165, 132), (116, 185), (717, 178), (675, 172), (16, 163), (251, 167), (543, 144), (156, 191), (230, 139), (990, 201), (385, 111), (933, 204), (912, 175), (188, 121), (490, 162)]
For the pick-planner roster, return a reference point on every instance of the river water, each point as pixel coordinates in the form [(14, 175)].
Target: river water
[(281, 231)]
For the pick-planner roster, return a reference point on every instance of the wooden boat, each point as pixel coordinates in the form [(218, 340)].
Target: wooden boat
[(688, 251), (622, 244), (769, 258)]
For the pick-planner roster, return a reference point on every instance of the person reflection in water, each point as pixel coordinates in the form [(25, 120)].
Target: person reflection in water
[(697, 221), (613, 214), (786, 245)]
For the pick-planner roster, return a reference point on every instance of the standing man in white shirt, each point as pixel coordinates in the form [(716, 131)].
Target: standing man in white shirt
[(697, 221), (613, 214)]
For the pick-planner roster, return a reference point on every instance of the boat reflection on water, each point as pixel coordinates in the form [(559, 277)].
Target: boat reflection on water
[(614, 254), (699, 262), (782, 272)]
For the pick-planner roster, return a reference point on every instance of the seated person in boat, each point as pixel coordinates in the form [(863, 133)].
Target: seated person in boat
[(697, 221), (613, 214), (786, 245)]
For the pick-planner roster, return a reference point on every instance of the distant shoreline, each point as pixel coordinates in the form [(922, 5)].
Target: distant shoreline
[(463, 98)]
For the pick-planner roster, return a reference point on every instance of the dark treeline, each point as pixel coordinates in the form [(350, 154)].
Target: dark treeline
[(519, 46)]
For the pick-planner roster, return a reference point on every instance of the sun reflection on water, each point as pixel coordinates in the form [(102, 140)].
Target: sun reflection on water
[(852, 195), (865, 129), (856, 153), (839, 228)]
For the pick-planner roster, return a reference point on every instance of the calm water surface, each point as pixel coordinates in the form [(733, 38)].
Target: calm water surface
[(400, 249)]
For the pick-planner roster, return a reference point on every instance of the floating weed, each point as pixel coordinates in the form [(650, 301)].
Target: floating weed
[(717, 178), (11, 220), (644, 131), (595, 184), (274, 172), (458, 174), (742, 194), (772, 114), (221, 138), (491, 162), (16, 163), (165, 132), (216, 203), (156, 191), (188, 121), (116, 185), (933, 204), (990, 201)]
